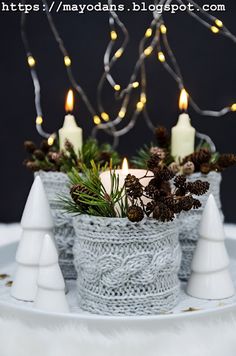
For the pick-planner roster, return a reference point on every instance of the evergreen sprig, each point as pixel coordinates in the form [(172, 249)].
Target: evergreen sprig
[(89, 196)]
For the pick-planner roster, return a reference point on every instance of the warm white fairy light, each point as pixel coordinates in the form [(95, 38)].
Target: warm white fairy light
[(233, 107), (31, 61), (96, 120), (161, 57), (143, 98), (148, 33), (105, 116), (117, 87), (140, 106), (119, 53), (163, 29), (135, 85), (219, 23), (67, 61), (114, 35), (39, 120), (148, 51), (51, 140), (122, 113), (215, 29)]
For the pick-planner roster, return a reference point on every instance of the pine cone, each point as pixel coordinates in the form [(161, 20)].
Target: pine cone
[(39, 155), (163, 213), (133, 187), (76, 191), (163, 173), (29, 146), (160, 152), (198, 187), (162, 136), (199, 157), (226, 160), (180, 181), (186, 203), (150, 207), (135, 213), (33, 166), (196, 204), (153, 162), (104, 157), (44, 146), (152, 191), (188, 168), (205, 168)]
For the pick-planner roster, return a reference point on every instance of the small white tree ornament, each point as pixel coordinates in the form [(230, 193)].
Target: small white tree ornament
[(210, 277), (36, 222), (51, 286)]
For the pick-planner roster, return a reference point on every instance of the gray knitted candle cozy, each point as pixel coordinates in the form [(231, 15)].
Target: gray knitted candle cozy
[(126, 268), (55, 184), (189, 222)]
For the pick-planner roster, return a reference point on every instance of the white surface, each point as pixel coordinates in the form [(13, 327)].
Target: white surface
[(192, 338)]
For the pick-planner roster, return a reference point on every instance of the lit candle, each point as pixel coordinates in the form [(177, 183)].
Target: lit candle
[(183, 134), (122, 173), (70, 131)]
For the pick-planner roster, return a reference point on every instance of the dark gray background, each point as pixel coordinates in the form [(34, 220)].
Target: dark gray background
[(207, 61)]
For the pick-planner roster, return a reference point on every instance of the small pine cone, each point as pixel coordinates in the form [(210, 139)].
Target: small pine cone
[(38, 154), (226, 160), (54, 157), (33, 166), (150, 208), (152, 191), (174, 167), (162, 136), (75, 192), (188, 168), (196, 204), (153, 162), (186, 203), (160, 152), (29, 146), (205, 168), (44, 146), (135, 213), (180, 192), (198, 157), (180, 181), (163, 173), (133, 187), (198, 187), (165, 188), (163, 213)]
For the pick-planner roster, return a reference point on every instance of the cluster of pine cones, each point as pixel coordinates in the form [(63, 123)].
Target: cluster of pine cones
[(159, 199)]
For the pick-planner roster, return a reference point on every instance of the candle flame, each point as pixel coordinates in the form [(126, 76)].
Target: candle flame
[(69, 101), (183, 100), (125, 167)]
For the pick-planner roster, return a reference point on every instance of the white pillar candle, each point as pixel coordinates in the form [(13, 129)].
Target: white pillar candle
[(70, 131), (183, 134)]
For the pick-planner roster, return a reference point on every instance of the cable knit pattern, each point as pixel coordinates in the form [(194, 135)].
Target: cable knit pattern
[(189, 222), (57, 184), (126, 268)]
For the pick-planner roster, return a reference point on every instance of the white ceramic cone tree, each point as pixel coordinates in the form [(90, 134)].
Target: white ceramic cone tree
[(36, 222), (210, 277), (51, 286)]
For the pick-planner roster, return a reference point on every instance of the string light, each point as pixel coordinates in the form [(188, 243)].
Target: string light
[(219, 23), (148, 33), (31, 61), (105, 116), (214, 29), (135, 85), (163, 29), (119, 53), (140, 106), (113, 35), (51, 140), (143, 98), (148, 51), (117, 87), (122, 113), (233, 107), (161, 57), (39, 120), (67, 61), (96, 120)]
